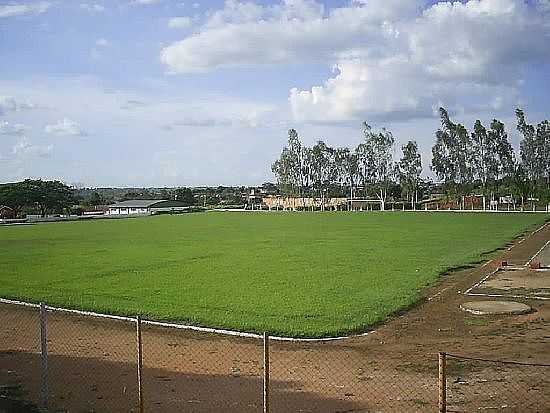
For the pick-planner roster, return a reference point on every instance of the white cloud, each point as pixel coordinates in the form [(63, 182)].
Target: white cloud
[(424, 71), (16, 129), (11, 10), (179, 22), (393, 59), (290, 32), (25, 149), (65, 127), (92, 7)]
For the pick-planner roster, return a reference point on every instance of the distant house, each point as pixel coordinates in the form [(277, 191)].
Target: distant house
[(145, 207), (294, 203), (6, 212)]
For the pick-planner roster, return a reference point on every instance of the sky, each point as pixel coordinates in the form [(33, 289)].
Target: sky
[(191, 93)]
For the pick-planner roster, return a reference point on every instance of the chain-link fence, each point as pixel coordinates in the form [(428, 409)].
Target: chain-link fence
[(476, 384), (55, 360)]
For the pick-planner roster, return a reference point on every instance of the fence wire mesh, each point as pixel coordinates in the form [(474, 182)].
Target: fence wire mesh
[(91, 363), (200, 372), (329, 377), (488, 385), (92, 366), (20, 361)]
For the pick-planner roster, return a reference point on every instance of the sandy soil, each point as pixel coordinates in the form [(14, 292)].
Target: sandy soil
[(394, 368)]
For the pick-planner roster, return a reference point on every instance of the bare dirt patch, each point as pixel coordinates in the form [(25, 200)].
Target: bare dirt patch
[(515, 282)]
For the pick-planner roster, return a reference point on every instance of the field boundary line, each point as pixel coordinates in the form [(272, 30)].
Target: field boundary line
[(477, 284), (537, 253), (177, 326), (525, 297)]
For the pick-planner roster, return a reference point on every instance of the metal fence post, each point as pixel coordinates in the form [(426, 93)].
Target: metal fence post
[(266, 373), (44, 353), (442, 382), (139, 363)]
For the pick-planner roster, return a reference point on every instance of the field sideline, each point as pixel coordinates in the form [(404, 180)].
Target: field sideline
[(296, 274)]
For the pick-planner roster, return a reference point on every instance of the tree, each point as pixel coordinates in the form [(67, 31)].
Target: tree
[(323, 169), (492, 155), (535, 149), (451, 154), (348, 169), (293, 167), (521, 184), (365, 160), (49, 196), (504, 149), (96, 199), (185, 195), (46, 196), (483, 159), (15, 195), (381, 146), (410, 168)]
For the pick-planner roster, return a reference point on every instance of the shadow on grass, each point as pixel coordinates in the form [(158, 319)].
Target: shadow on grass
[(81, 384)]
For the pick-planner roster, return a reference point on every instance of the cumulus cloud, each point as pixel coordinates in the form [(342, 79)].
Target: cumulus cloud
[(293, 31), (478, 67), (25, 149), (15, 129), (181, 22), (392, 59), (65, 127), (11, 10)]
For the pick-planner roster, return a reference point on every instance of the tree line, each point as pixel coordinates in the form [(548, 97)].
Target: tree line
[(43, 197), (464, 161)]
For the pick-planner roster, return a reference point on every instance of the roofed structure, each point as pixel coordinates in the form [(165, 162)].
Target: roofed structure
[(145, 206)]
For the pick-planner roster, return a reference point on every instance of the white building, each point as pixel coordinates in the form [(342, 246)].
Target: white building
[(145, 207)]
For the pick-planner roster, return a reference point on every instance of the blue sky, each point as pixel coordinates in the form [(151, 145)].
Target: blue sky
[(170, 93)]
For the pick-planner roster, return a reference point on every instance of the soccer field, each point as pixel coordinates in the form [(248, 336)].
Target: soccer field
[(297, 274)]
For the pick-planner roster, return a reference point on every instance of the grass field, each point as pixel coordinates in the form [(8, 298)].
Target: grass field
[(299, 274)]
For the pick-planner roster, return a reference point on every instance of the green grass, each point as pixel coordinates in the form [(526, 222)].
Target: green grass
[(299, 274)]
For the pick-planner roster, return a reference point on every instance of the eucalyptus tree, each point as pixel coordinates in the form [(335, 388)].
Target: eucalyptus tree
[(409, 170), (451, 154), (375, 166), (292, 167), (484, 159), (281, 168), (323, 168), (380, 146), (521, 184), (505, 155), (365, 160), (535, 149), (348, 169)]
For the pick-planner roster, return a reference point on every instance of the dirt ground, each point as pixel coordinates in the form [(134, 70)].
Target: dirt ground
[(92, 362), (516, 283)]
